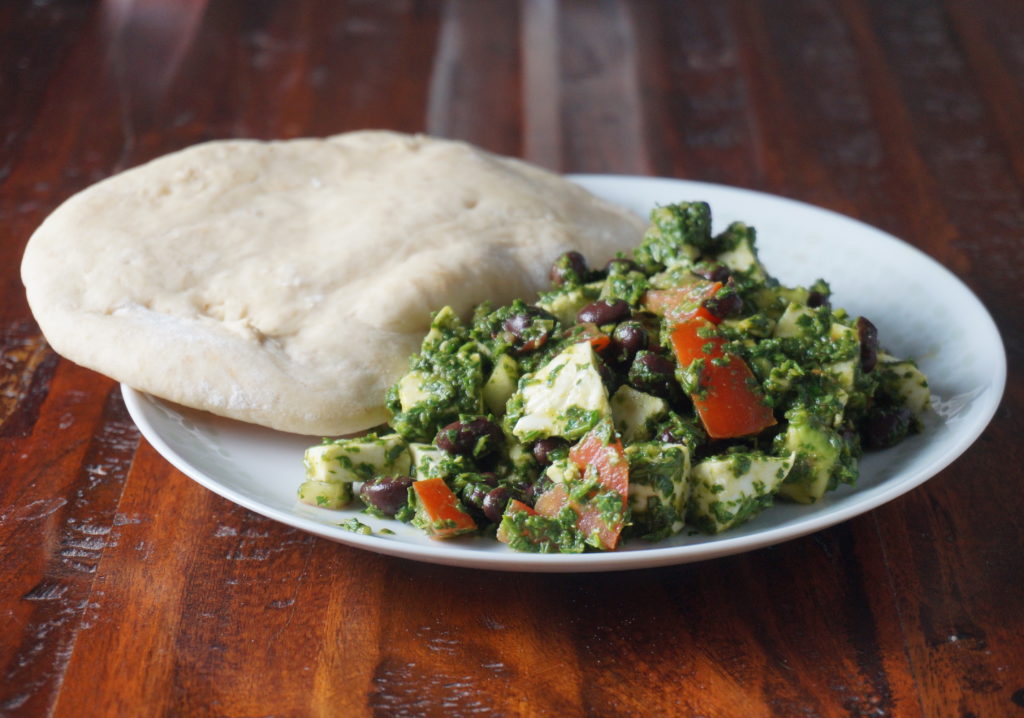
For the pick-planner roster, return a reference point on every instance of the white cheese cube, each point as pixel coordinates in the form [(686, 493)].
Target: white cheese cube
[(910, 383), (361, 459), (741, 258), (410, 390), (789, 324), (566, 397), (633, 411), (728, 490)]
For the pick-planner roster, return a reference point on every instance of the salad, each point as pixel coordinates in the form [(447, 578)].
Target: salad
[(681, 388)]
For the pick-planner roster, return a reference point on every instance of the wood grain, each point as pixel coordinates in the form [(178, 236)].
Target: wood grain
[(127, 589)]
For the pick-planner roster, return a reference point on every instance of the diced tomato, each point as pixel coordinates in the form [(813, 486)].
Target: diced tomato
[(728, 403), (592, 524), (551, 501), (442, 514), (609, 461), (514, 506), (678, 303)]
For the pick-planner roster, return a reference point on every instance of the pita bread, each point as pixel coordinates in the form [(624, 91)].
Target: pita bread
[(286, 283)]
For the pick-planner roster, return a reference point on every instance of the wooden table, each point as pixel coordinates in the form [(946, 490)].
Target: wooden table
[(126, 589)]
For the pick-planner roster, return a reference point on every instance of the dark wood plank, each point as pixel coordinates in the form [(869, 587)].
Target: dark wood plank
[(694, 95), (55, 528), (28, 364), (745, 635), (474, 90), (582, 88), (34, 41), (948, 598), (954, 134), (599, 92), (996, 70), (472, 643), (127, 587), (327, 68), (162, 636)]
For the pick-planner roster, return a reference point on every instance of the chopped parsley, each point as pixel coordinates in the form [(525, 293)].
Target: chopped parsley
[(558, 466)]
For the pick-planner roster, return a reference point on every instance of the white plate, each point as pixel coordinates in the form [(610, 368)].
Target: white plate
[(921, 311)]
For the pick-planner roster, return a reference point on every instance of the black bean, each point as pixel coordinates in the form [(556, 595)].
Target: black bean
[(885, 427), (519, 489), (723, 307), (724, 304), (543, 448), (495, 502), (604, 312), (569, 264), (524, 332), (473, 494), (653, 373), (712, 272), (476, 437), (517, 323), (629, 338), (490, 478), (816, 299), (868, 334), (387, 494), (488, 463), (657, 364)]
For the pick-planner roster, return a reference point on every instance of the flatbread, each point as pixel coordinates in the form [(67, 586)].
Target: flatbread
[(286, 283)]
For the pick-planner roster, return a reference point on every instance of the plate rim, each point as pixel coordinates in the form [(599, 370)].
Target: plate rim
[(451, 554)]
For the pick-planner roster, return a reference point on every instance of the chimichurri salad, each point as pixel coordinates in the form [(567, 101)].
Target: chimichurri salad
[(681, 388)]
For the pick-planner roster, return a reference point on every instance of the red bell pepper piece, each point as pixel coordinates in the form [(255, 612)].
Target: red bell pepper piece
[(728, 401), (599, 342), (442, 515)]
